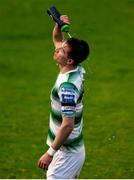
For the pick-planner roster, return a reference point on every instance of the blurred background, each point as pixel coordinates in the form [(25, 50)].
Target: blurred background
[(27, 73)]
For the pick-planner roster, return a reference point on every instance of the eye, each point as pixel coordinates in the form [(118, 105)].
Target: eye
[(57, 50)]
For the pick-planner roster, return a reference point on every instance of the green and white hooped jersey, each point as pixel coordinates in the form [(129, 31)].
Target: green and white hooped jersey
[(66, 100)]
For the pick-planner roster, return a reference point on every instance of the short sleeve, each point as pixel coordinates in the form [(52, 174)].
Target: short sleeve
[(68, 95)]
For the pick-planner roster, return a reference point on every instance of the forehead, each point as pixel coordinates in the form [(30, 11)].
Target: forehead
[(65, 46)]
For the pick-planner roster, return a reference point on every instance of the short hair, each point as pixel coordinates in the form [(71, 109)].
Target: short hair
[(79, 50)]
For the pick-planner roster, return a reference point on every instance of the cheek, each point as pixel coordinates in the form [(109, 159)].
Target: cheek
[(59, 56)]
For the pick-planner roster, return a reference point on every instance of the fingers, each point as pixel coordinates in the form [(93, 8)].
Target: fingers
[(65, 19), (42, 165), (44, 161)]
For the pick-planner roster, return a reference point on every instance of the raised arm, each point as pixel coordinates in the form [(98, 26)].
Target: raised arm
[(57, 35)]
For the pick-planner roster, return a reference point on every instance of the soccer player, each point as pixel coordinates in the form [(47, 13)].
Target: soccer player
[(66, 153)]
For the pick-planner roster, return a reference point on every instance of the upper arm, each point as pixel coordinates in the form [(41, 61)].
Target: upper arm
[(68, 95)]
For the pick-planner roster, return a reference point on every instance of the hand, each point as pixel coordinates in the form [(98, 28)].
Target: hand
[(44, 161), (65, 19)]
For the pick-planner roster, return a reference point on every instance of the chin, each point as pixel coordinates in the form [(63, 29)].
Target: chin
[(54, 57)]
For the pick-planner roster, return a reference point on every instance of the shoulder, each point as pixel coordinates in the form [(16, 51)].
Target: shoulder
[(68, 86), (77, 77)]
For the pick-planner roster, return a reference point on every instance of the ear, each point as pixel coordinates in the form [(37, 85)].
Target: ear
[(70, 61)]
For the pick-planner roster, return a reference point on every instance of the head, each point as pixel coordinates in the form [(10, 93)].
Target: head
[(72, 52)]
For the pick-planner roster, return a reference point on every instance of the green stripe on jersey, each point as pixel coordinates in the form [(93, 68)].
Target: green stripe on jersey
[(68, 143), (54, 93), (57, 117), (73, 76)]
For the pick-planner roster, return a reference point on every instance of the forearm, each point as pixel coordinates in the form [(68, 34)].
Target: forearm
[(57, 35), (62, 135)]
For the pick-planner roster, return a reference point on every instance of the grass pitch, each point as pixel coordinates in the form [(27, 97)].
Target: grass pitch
[(27, 73)]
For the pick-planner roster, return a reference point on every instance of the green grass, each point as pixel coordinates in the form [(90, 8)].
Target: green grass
[(27, 73)]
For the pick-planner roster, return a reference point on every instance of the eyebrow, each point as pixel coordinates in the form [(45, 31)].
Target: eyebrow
[(63, 46), (63, 50)]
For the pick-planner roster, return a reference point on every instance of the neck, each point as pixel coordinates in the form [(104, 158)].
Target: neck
[(64, 69)]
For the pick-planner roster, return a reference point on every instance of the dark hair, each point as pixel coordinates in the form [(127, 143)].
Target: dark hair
[(79, 50)]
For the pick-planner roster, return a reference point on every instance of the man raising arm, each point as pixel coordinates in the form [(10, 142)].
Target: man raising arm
[(66, 153)]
